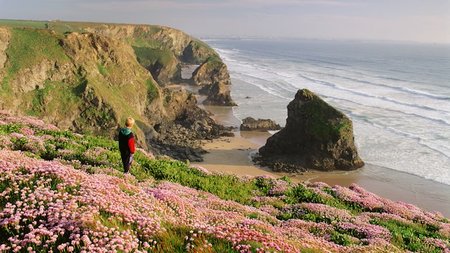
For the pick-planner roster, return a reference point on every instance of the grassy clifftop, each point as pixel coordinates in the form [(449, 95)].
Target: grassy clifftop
[(157, 47), (170, 206)]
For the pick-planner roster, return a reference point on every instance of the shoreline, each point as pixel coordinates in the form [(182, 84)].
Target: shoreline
[(232, 155)]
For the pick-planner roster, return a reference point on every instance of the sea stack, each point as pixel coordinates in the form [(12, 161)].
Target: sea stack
[(214, 79), (316, 136)]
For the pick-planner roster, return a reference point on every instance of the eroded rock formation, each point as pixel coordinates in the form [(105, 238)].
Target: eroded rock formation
[(214, 79), (316, 136)]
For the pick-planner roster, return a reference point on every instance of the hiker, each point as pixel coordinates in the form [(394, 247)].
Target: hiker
[(126, 145)]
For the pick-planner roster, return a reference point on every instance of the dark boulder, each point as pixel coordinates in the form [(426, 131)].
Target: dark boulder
[(251, 124), (179, 136), (316, 136)]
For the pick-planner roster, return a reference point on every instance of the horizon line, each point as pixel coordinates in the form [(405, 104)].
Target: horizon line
[(230, 36)]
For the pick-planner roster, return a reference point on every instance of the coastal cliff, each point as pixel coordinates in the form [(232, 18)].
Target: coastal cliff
[(163, 51), (316, 136), (89, 77)]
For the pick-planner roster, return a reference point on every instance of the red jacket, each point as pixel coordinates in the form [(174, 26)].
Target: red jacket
[(126, 142), (131, 145)]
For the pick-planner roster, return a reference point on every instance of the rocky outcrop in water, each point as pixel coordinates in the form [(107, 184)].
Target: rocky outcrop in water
[(251, 124), (316, 136), (214, 79)]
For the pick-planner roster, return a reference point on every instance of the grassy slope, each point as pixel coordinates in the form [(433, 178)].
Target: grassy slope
[(29, 47), (279, 194)]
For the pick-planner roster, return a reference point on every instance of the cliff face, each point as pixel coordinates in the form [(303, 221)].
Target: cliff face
[(316, 136), (90, 82), (159, 49)]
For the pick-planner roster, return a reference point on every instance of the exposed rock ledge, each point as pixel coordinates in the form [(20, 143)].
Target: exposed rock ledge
[(251, 124), (316, 136)]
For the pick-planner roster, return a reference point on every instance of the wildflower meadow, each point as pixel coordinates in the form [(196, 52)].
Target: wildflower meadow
[(65, 192)]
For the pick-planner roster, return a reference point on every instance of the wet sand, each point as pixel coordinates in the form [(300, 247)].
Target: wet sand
[(232, 155)]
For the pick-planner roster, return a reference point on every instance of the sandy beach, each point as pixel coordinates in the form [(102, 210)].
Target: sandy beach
[(232, 155)]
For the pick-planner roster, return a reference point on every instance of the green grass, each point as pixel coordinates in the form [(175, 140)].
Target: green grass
[(102, 69), (30, 46), (227, 187), (321, 128), (38, 101), (142, 42), (214, 59), (197, 44), (341, 239), (197, 52), (27, 48), (310, 250), (117, 101), (152, 90), (56, 98), (23, 23), (300, 193), (5, 87), (410, 236), (162, 63), (174, 240), (10, 128), (148, 56), (111, 221)]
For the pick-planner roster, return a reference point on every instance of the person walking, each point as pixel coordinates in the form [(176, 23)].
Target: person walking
[(127, 144)]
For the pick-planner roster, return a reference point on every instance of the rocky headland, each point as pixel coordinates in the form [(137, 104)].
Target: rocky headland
[(251, 124), (89, 77), (316, 136)]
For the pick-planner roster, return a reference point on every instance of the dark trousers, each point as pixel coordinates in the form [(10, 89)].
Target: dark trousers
[(127, 160)]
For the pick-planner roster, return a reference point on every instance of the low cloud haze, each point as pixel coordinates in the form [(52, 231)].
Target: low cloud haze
[(403, 20)]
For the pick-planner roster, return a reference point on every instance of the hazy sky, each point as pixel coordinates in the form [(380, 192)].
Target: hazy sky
[(410, 20)]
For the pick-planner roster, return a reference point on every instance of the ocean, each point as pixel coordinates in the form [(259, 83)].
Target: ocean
[(397, 95)]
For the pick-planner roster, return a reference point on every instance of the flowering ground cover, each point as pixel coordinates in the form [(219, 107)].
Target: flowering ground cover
[(64, 192)]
